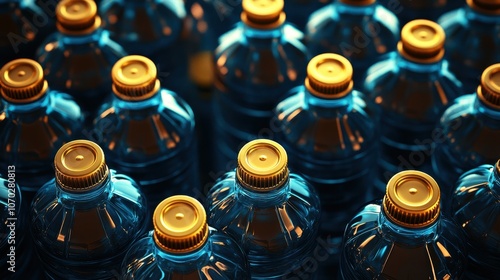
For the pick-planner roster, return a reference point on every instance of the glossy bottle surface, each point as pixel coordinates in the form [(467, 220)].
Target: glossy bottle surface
[(362, 32), (85, 219), (273, 214), (257, 63), (469, 131), (78, 58), (34, 122), (404, 236), (475, 208), (183, 246), (472, 27), (408, 10), (148, 132), (411, 90)]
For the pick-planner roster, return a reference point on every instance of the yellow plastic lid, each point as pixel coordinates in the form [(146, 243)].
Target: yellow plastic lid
[(329, 76), (263, 14), (80, 165), (412, 199), (77, 16), (180, 224), (134, 78), (22, 81), (422, 41), (491, 7), (489, 90), (262, 165)]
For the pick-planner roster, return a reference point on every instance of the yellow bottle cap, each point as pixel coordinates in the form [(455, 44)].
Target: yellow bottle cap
[(180, 224), (422, 41), (489, 90), (22, 81), (358, 2), (77, 16), (329, 76), (485, 6), (412, 199), (263, 14), (80, 166), (262, 165), (134, 78)]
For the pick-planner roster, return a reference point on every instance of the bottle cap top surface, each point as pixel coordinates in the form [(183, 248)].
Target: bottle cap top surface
[(489, 90), (358, 2), (180, 224), (412, 199), (263, 14), (329, 76), (77, 16), (22, 81), (80, 166), (262, 165), (134, 78), (422, 41)]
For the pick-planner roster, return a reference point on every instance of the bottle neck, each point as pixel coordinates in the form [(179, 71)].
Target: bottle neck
[(137, 106), (182, 261), (262, 35), (477, 16), (346, 9), (486, 110), (70, 39), (18, 109), (263, 199), (494, 182), (86, 199), (405, 235), (418, 68), (328, 108)]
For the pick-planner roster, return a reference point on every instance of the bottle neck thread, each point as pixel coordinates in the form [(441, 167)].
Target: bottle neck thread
[(419, 68), (181, 260), (40, 105), (88, 198), (263, 199), (328, 107), (262, 34)]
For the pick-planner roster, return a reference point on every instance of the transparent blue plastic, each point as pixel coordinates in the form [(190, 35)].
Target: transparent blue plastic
[(24, 26), (276, 229), (469, 132), (410, 98), (155, 29), (153, 141), (80, 65), (475, 207), (254, 71), (408, 10), (31, 134), (471, 43), (219, 259), (86, 235), (17, 260), (363, 34), (376, 248)]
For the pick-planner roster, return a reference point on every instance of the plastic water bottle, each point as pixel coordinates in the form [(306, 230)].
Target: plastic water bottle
[(257, 63), (404, 235), (155, 29), (272, 213), (78, 58), (17, 260), (331, 136), (472, 27), (468, 131), (183, 246), (363, 31), (84, 220), (475, 207), (24, 26), (408, 10), (411, 89), (34, 121), (148, 132)]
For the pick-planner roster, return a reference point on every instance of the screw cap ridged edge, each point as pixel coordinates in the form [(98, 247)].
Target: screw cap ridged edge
[(25, 90)]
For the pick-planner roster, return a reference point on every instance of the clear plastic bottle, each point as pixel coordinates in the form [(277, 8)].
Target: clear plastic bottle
[(18, 260), (331, 137), (475, 206), (404, 236), (257, 63), (408, 10), (272, 213), (85, 219), (473, 27), (183, 246), (78, 58), (148, 132), (363, 31), (411, 88), (155, 29), (34, 121), (468, 133), (23, 27)]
